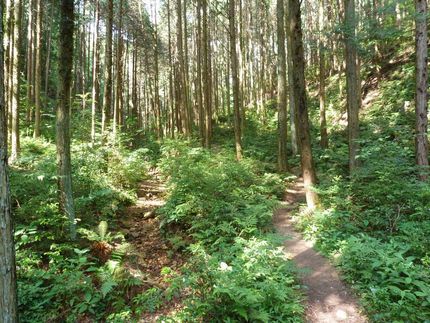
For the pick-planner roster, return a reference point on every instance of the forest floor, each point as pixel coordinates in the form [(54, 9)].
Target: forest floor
[(328, 298), (150, 251)]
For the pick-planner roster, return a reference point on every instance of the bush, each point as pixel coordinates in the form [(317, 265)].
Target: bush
[(60, 280), (251, 281), (392, 283), (237, 272)]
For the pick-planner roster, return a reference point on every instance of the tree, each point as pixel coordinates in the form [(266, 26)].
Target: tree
[(107, 95), (235, 77), (180, 86), (282, 89), (353, 91), (421, 139), (299, 92), (117, 118), (8, 296), (38, 69), (207, 75), (95, 92), (64, 167), (16, 25), (293, 114), (322, 76)]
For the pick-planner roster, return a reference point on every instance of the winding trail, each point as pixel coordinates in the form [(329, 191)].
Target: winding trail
[(151, 251), (328, 298)]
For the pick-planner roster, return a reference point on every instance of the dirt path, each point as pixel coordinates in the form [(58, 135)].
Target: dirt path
[(328, 298), (151, 252)]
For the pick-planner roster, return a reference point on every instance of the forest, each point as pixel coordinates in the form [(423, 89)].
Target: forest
[(214, 161)]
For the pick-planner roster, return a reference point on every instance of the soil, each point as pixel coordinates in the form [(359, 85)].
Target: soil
[(328, 298), (151, 251)]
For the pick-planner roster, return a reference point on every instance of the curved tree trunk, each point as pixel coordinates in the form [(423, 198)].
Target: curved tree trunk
[(298, 75)]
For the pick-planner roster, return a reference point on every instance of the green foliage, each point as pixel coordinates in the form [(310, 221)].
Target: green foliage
[(375, 223), (150, 300), (251, 281), (392, 282), (100, 234), (237, 272), (64, 281), (64, 284), (214, 197)]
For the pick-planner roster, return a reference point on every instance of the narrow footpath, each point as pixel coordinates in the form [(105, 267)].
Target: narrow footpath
[(328, 298), (151, 251)]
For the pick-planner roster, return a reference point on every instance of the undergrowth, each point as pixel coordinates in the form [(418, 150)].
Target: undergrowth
[(221, 212), (62, 280), (376, 223)]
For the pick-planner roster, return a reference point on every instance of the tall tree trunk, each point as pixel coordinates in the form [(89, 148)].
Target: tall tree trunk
[(8, 295), (186, 71), (421, 141), (298, 72), (235, 77), (322, 76), (207, 75), (38, 69), (15, 143), (95, 93), (353, 91), (6, 46), (64, 166), (171, 94), (293, 113), (107, 95), (200, 49), (30, 61), (181, 90), (119, 76), (156, 82), (282, 88), (48, 53)]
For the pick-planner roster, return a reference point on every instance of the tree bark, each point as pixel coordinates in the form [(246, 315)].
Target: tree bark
[(322, 76), (156, 83), (8, 294), (119, 77), (235, 77), (15, 142), (48, 53), (282, 89), (207, 76), (30, 62), (421, 141), (353, 91), (291, 99), (64, 167), (181, 90), (38, 69), (95, 93), (107, 95), (199, 73), (171, 94), (298, 72)]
